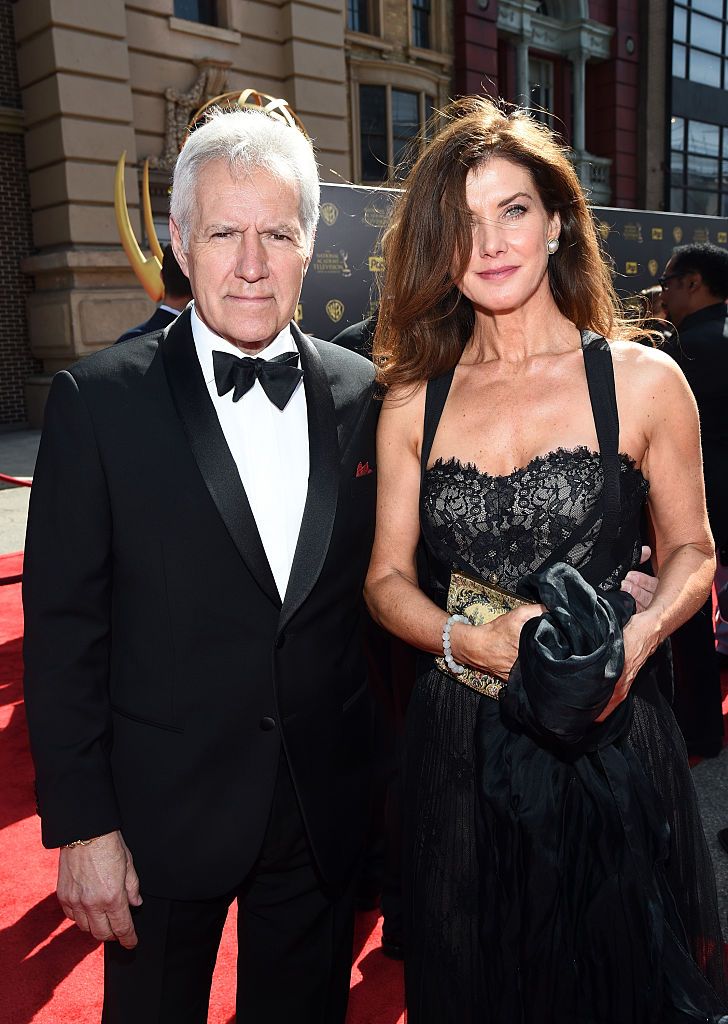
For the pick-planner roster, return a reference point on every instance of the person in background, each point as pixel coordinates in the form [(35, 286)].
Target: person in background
[(695, 287), (358, 337), (177, 295)]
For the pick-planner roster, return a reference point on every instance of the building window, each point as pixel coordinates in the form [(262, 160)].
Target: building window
[(373, 121), (700, 42), (390, 120), (203, 11), (421, 14), (698, 167), (361, 16), (541, 89)]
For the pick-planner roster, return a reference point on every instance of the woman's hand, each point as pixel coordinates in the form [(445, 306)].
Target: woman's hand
[(493, 647), (640, 640)]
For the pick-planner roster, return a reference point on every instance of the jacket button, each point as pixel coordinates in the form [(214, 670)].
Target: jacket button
[(280, 640), (267, 724)]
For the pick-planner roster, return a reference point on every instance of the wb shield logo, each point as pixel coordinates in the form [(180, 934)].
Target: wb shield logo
[(335, 310), (329, 213)]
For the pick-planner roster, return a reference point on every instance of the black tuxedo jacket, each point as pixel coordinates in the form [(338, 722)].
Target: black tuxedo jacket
[(702, 352), (162, 671), (159, 319)]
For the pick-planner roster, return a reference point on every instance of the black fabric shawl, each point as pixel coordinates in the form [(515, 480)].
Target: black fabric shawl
[(578, 924)]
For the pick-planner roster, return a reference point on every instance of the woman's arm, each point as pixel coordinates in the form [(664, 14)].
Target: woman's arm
[(391, 591), (684, 549)]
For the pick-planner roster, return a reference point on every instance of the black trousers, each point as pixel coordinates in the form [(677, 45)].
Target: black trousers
[(294, 942), (698, 700)]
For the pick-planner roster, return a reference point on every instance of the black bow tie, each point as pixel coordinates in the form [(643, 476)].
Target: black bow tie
[(278, 377)]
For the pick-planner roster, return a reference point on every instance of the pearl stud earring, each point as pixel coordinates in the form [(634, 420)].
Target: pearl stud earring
[(552, 245)]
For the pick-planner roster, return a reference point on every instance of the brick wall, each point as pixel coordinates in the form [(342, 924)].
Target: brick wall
[(16, 362), (475, 38), (612, 101)]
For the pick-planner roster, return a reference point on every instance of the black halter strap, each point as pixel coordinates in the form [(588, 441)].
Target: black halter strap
[(435, 399), (602, 395)]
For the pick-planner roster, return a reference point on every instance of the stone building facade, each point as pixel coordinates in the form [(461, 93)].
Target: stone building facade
[(85, 81)]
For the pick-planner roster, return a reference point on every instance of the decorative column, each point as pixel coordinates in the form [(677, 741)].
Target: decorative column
[(523, 87), (314, 78), (578, 62)]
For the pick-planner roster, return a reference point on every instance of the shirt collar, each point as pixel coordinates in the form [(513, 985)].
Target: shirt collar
[(207, 342)]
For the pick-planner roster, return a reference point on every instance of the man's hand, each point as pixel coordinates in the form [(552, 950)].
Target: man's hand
[(640, 586), (639, 643), (96, 885)]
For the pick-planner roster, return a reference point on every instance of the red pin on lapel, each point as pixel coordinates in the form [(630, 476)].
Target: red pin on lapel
[(363, 469)]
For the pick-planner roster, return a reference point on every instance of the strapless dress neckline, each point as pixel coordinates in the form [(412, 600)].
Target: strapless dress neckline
[(554, 455)]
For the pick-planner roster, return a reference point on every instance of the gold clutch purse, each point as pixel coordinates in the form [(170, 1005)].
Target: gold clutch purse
[(481, 602)]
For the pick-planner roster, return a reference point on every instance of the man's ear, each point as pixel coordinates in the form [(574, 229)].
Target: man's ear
[(176, 241)]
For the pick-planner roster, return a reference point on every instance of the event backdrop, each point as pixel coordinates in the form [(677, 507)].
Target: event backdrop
[(340, 286)]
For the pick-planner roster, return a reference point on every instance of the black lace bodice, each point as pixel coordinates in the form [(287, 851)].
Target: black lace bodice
[(504, 527)]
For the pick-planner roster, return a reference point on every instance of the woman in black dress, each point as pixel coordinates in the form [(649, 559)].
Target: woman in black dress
[(556, 868)]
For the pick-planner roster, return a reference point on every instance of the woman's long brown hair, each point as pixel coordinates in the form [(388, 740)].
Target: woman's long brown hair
[(424, 320)]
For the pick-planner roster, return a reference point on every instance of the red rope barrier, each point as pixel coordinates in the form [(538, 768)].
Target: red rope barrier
[(19, 481)]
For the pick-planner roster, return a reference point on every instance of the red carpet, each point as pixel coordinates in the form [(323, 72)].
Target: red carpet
[(50, 972)]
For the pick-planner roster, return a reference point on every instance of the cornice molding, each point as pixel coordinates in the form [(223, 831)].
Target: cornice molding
[(590, 38)]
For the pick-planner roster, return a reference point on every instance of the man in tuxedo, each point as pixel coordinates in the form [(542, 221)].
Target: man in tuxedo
[(199, 532), (176, 296)]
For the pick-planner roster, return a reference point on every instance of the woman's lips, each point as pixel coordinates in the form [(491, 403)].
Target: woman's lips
[(497, 275)]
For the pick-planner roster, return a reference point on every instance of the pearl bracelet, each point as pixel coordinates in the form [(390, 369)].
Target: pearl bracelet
[(446, 649)]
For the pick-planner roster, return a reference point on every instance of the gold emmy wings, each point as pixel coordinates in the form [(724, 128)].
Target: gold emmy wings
[(481, 602)]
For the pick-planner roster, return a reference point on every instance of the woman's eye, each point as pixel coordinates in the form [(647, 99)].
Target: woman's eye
[(515, 211)]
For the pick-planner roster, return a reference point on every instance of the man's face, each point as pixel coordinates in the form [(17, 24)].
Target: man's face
[(246, 255), (676, 296)]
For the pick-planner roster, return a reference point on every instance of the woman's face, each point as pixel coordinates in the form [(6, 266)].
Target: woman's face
[(508, 260)]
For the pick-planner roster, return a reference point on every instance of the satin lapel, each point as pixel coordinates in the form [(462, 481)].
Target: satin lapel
[(323, 480), (213, 457)]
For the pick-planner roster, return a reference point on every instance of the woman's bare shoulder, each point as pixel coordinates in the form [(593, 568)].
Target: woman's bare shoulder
[(643, 365), (405, 402), (651, 385)]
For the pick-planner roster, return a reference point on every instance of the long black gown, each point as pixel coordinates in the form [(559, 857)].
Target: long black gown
[(503, 528)]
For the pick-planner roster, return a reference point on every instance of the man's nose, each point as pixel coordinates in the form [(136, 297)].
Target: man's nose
[(251, 262)]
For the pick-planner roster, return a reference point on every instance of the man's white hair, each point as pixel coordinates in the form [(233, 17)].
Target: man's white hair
[(249, 141)]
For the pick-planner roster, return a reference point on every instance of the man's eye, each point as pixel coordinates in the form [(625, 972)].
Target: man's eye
[(279, 237), (222, 234)]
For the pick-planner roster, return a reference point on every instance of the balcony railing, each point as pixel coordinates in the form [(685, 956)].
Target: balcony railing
[(593, 173)]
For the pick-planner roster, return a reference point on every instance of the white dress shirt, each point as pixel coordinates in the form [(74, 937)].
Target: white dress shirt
[(269, 446)]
